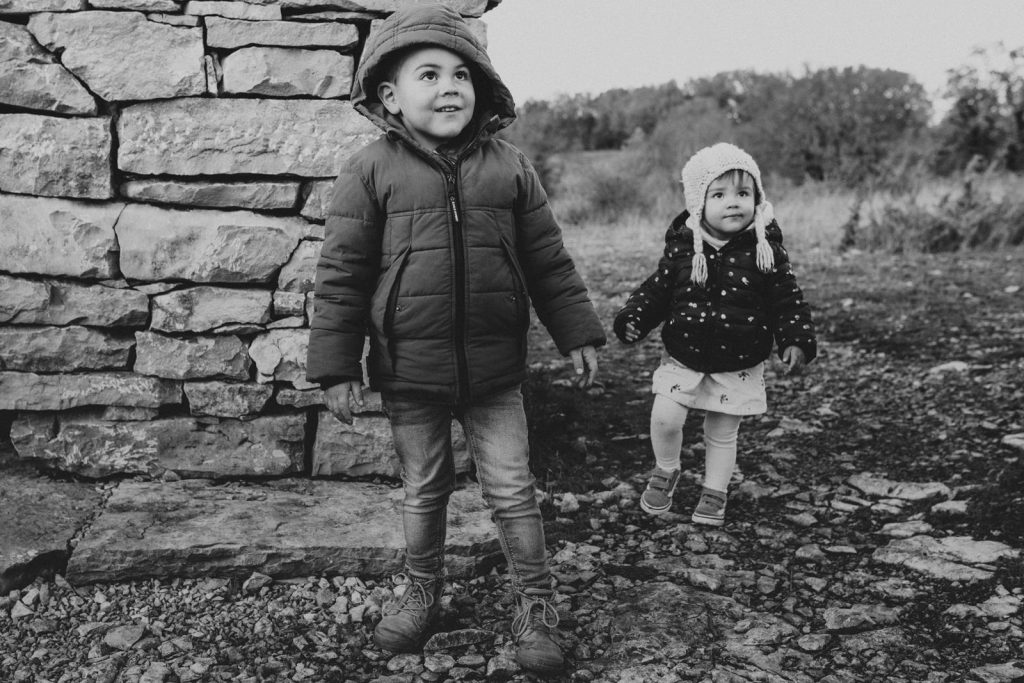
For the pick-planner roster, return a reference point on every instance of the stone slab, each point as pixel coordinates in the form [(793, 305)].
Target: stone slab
[(229, 34), (30, 391), (299, 274), (58, 302), (952, 558), (286, 304), (201, 309), (32, 78), (204, 245), (227, 399), (55, 157), (359, 449), (880, 487), (213, 357), (138, 5), (175, 19), (38, 517), (316, 204), (62, 349), (282, 529), (58, 237), (287, 72), (366, 447), (280, 355), (32, 6), (256, 195), (207, 136), (124, 56), (234, 10), (88, 446), (467, 8)]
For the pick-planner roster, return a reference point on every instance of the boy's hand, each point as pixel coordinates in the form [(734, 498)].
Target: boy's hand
[(795, 360), (337, 399), (584, 361), (632, 332)]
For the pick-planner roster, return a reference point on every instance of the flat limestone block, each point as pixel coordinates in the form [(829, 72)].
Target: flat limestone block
[(38, 517), (283, 529)]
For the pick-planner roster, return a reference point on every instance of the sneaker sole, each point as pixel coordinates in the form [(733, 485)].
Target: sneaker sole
[(709, 521), (653, 510)]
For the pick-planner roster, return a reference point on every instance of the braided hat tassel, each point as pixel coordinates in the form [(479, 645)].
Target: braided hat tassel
[(699, 268)]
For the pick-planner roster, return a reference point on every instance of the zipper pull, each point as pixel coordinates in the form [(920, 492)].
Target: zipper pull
[(455, 210)]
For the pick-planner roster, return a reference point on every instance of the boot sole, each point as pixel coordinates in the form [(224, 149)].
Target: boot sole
[(541, 669), (403, 645), (398, 646)]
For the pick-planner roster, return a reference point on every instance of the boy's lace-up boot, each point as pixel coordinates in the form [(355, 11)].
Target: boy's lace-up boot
[(403, 627), (532, 628)]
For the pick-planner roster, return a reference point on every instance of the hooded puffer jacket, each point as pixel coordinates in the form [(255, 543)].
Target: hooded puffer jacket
[(438, 256), (730, 323)]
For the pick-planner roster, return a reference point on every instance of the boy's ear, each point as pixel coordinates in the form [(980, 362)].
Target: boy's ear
[(387, 97)]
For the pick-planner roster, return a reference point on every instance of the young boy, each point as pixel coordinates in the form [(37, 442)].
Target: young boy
[(438, 237), (725, 290)]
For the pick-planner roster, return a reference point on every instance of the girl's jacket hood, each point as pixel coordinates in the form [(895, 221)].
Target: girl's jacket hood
[(437, 26)]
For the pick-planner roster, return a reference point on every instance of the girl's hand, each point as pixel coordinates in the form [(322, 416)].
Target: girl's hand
[(795, 360), (338, 402), (632, 332)]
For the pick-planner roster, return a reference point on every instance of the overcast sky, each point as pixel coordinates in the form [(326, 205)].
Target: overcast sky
[(543, 48)]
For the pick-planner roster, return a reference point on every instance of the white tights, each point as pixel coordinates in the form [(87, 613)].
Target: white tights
[(720, 431)]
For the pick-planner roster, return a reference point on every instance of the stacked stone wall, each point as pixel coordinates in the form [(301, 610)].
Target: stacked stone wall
[(164, 168)]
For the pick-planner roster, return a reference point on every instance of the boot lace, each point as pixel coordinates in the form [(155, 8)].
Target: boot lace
[(546, 617), (418, 596)]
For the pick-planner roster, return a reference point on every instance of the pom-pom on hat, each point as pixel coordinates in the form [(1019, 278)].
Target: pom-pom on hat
[(698, 173)]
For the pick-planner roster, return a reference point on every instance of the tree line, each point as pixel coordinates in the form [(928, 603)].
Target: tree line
[(848, 125)]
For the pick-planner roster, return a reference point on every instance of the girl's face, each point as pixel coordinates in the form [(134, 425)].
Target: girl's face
[(729, 204)]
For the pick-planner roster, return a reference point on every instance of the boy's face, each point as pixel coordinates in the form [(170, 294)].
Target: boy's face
[(729, 205), (433, 91)]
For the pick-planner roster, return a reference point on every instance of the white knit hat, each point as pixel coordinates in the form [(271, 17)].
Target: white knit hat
[(699, 172)]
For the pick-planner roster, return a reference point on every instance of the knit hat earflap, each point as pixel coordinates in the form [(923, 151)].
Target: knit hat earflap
[(699, 172)]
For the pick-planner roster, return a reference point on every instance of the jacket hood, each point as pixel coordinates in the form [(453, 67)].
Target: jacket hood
[(430, 25)]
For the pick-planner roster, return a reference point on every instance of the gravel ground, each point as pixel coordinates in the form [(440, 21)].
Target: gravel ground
[(790, 590)]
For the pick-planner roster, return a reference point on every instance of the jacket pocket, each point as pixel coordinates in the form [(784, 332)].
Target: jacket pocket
[(385, 296), (519, 296)]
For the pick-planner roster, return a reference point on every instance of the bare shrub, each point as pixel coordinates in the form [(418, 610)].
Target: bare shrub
[(973, 211)]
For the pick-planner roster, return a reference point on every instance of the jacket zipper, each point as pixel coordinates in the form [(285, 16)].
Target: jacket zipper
[(714, 297), (462, 364)]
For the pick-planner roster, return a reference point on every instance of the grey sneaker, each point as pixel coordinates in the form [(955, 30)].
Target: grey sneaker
[(404, 625), (710, 508), (657, 497), (532, 627)]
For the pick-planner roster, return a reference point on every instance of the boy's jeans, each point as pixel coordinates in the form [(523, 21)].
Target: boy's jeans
[(496, 434)]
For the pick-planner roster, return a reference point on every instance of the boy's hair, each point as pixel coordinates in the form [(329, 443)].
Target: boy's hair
[(392, 64)]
